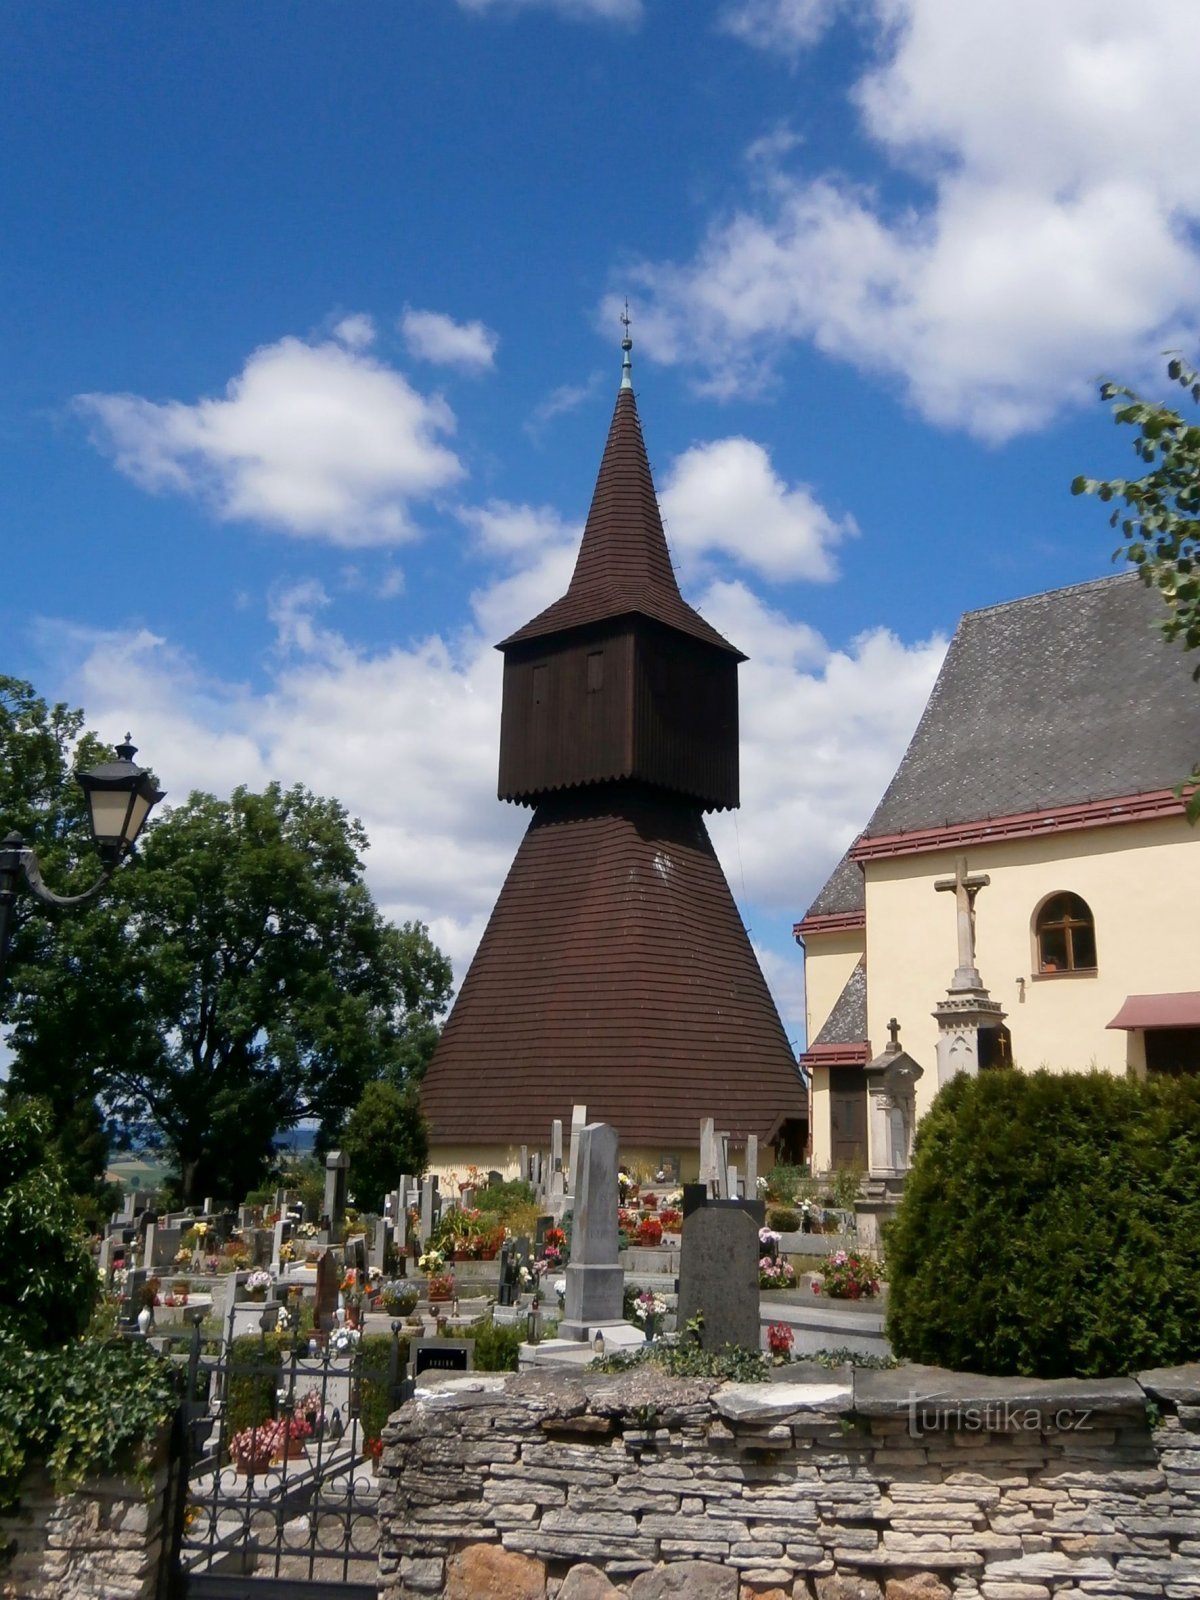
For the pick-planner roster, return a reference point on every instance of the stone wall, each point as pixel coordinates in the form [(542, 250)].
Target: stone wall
[(103, 1543), (908, 1485)]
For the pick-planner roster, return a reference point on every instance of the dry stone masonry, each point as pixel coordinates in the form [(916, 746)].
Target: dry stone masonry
[(915, 1484)]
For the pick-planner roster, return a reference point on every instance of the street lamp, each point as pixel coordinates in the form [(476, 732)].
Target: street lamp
[(119, 797)]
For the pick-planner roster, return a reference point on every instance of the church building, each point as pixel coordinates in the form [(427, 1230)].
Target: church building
[(1037, 795), (615, 971)]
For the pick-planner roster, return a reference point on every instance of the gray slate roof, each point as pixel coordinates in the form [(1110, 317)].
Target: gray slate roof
[(1059, 699), (847, 1022), (845, 890)]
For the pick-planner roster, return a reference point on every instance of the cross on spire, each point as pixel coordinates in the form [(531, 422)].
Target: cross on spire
[(626, 346)]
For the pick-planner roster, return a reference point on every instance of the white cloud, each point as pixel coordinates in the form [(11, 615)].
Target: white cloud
[(604, 10), (317, 439), (1058, 238), (432, 336), (566, 398), (357, 331), (779, 24), (507, 529), (724, 496)]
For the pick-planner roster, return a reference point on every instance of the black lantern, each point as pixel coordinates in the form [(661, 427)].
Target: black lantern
[(119, 796)]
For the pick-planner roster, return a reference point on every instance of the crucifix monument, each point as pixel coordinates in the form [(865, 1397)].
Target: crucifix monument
[(968, 1011)]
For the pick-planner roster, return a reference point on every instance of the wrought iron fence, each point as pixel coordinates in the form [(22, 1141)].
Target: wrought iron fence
[(279, 1443)]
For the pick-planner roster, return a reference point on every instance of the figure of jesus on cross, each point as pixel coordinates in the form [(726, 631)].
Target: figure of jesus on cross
[(966, 887)]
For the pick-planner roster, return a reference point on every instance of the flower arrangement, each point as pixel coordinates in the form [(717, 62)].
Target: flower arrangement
[(780, 1340), (847, 1275), (650, 1231), (253, 1447), (258, 1282), (671, 1218), (310, 1406), (432, 1261), (399, 1297), (307, 1230), (343, 1340), (287, 1251), (374, 1448), (648, 1307), (767, 1237), (441, 1286), (776, 1273)]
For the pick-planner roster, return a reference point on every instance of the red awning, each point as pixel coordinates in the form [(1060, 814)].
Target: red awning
[(1159, 1011)]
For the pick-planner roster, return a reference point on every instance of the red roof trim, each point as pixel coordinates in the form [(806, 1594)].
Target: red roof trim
[(837, 1055), (830, 922), (1159, 1011), (1025, 824)]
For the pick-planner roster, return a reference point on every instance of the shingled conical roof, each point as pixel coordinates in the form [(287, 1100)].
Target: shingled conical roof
[(615, 972), (623, 566)]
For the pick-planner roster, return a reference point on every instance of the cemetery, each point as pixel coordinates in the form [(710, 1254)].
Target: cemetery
[(617, 1338)]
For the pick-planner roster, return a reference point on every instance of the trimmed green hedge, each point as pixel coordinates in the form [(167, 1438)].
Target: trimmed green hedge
[(1050, 1227)]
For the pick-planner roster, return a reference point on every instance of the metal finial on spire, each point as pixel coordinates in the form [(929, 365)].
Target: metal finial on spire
[(626, 346)]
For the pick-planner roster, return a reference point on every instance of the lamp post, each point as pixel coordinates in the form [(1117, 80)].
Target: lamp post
[(119, 797)]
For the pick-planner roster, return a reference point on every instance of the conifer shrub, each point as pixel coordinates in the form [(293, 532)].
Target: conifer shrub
[(1050, 1227)]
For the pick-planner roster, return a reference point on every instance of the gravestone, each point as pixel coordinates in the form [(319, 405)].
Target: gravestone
[(440, 1355), (556, 1146), (135, 1282), (379, 1238), (278, 1235), (752, 1166), (337, 1165), (104, 1261), (325, 1309), (595, 1281), (429, 1197), (578, 1123), (523, 1170), (147, 1260), (733, 1183), (708, 1154), (718, 1275)]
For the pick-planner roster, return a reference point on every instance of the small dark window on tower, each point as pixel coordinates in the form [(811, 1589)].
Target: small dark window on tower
[(539, 682), (1065, 933), (595, 671)]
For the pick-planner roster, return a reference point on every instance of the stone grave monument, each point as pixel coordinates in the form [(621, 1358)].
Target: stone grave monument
[(718, 1275), (595, 1281)]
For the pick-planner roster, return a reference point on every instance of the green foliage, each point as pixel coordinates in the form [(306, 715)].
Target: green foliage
[(81, 1410), (1158, 514), (48, 1282), (254, 1379), (787, 1184), (41, 748), (685, 1359), (496, 1347), (1050, 1227), (498, 1199), (843, 1357), (385, 1134), (783, 1219), (845, 1187), (246, 981), (373, 1361)]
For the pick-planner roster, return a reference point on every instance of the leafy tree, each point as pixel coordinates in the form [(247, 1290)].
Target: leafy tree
[(385, 1136), (1158, 514), (236, 979), (41, 747), (48, 1281)]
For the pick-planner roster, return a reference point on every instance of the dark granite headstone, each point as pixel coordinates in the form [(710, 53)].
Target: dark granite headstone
[(718, 1276), (327, 1293), (441, 1355)]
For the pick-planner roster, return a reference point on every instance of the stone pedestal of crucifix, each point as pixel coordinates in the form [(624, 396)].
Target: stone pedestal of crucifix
[(968, 1009)]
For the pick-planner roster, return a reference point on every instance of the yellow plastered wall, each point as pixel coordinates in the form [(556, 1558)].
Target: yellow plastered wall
[(1142, 883), (829, 959), (822, 1152)]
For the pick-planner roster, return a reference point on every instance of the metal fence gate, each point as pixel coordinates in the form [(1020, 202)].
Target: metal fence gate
[(274, 1493)]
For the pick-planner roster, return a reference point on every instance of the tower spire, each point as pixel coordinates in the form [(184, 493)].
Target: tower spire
[(626, 346)]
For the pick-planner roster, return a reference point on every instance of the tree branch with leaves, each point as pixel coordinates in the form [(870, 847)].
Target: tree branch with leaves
[(1158, 514)]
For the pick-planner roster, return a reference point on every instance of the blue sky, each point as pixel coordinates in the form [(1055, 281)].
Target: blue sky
[(308, 320)]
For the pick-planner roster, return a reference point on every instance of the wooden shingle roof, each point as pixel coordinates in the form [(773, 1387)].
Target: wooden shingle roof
[(615, 972), (623, 566)]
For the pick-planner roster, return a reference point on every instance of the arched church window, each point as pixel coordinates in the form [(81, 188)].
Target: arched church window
[(1065, 935)]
